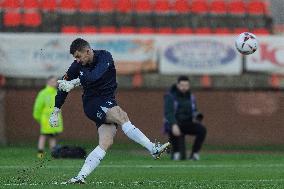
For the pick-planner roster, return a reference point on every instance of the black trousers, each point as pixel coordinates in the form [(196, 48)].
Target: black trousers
[(178, 143)]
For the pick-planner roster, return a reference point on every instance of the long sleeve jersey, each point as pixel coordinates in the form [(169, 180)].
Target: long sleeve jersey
[(98, 79)]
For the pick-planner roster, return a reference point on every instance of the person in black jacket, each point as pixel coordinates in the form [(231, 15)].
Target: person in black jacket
[(182, 118)]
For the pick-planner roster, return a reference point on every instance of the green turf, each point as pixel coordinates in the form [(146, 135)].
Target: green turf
[(19, 168)]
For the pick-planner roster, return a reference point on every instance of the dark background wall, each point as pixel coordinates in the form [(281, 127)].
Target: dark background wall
[(231, 117)]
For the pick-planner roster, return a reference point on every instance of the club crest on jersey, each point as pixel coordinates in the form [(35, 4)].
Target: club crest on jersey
[(81, 73)]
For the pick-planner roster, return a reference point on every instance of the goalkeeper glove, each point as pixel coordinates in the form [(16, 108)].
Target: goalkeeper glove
[(53, 120), (67, 86)]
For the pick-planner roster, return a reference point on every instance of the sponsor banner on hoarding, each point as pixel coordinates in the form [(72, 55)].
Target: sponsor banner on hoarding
[(198, 55), (40, 55), (269, 57), (131, 54), (34, 55)]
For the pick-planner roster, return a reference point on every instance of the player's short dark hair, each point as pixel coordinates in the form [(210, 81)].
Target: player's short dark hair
[(78, 45), (182, 78)]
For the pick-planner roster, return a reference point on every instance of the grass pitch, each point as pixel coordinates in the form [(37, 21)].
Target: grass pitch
[(130, 168)]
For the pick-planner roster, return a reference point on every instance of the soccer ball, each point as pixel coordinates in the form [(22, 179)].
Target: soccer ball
[(246, 43)]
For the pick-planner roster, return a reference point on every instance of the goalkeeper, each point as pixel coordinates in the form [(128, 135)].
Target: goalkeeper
[(95, 71), (42, 110)]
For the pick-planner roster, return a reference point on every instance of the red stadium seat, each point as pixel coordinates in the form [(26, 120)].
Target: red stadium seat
[(11, 4), (127, 30), (143, 6), (68, 5), (31, 19), (87, 5), (48, 5), (70, 29), (275, 80), (203, 30), (184, 30), (237, 7), (262, 31), (30, 4), (165, 30), (206, 81), (222, 31), (257, 7), (89, 29), (107, 29), (218, 7), (181, 6), (162, 6), (199, 6), (105, 5), (124, 6), (12, 18), (146, 30)]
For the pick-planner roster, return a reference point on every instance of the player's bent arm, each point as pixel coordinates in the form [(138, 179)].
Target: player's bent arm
[(59, 101), (70, 79), (60, 98), (72, 73)]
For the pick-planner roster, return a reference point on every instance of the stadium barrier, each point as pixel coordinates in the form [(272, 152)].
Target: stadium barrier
[(231, 117)]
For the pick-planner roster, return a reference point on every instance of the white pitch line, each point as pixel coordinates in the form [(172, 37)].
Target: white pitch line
[(151, 166), (149, 181)]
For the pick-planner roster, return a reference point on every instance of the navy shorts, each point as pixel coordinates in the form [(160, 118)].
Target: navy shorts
[(95, 109)]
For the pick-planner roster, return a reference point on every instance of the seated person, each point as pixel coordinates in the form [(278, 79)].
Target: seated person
[(182, 118)]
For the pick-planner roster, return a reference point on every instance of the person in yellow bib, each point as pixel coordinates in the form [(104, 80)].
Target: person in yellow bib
[(42, 110)]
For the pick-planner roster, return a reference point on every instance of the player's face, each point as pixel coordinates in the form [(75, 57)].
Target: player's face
[(183, 86), (83, 57)]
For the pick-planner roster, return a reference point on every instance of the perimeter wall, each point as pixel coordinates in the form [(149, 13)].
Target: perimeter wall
[(231, 117)]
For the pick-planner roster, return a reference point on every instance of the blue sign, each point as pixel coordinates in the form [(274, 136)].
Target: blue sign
[(200, 54)]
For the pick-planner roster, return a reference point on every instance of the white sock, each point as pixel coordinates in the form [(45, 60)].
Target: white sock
[(135, 134), (92, 161)]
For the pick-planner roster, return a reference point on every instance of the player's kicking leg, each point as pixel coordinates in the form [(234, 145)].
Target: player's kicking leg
[(118, 116), (106, 134)]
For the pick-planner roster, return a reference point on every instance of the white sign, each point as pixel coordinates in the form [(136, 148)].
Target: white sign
[(132, 54), (198, 55), (34, 55), (269, 57), (42, 55)]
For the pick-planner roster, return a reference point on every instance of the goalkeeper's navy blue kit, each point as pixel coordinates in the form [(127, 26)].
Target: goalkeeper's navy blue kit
[(98, 80)]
